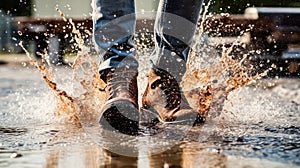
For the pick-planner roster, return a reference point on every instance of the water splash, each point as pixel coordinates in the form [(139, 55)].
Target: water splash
[(64, 102), (209, 79), (87, 90), (212, 75)]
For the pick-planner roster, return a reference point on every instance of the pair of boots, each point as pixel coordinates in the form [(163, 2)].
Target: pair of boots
[(114, 27), (163, 97)]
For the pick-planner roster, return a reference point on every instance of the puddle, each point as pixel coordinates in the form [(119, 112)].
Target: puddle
[(259, 127)]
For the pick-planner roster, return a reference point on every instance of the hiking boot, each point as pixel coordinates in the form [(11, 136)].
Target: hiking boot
[(120, 111), (163, 96)]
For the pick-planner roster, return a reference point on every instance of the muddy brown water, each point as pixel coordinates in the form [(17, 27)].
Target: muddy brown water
[(259, 127)]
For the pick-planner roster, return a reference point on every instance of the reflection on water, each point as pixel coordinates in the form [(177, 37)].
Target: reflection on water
[(12, 131), (184, 155)]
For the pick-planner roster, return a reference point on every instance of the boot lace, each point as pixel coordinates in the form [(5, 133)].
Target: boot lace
[(121, 82)]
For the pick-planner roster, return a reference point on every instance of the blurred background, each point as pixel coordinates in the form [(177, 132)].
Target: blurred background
[(78, 9), (44, 8), (39, 26)]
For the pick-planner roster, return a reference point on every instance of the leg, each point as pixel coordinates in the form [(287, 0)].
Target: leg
[(114, 24), (175, 27), (174, 30)]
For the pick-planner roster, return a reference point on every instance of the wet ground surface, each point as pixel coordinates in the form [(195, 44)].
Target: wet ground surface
[(259, 127)]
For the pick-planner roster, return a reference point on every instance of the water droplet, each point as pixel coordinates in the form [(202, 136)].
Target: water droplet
[(258, 52), (16, 155), (178, 59)]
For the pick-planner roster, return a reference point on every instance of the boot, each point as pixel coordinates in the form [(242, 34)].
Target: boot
[(163, 96), (120, 111)]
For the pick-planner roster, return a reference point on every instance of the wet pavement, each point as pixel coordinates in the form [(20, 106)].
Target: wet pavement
[(259, 127)]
